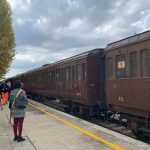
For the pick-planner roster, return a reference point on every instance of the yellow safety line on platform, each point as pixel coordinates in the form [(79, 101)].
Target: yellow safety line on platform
[(116, 147)]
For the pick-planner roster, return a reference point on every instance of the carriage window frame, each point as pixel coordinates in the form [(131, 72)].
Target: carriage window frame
[(133, 64), (110, 68), (145, 68), (70, 73), (84, 71), (50, 75), (67, 73), (120, 66), (69, 69), (57, 75), (79, 72), (61, 74), (53, 75), (73, 73), (64, 74)]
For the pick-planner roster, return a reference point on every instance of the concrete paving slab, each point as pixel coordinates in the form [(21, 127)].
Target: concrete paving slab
[(6, 135), (62, 130), (45, 132)]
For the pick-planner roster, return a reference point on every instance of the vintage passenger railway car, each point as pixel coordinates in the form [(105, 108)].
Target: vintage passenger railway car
[(99, 81), (128, 78), (77, 81)]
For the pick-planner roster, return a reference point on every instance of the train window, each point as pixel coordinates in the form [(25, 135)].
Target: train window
[(50, 75), (53, 75), (70, 73), (40, 76), (31, 78), (34, 77), (76, 73), (79, 75), (61, 74), (145, 63), (64, 74), (67, 74), (43, 76), (84, 71), (109, 68), (133, 64), (73, 72), (46, 76), (120, 66), (57, 75)]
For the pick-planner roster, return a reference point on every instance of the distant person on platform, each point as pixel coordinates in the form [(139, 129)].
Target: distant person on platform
[(1, 105), (8, 88), (17, 105), (4, 92)]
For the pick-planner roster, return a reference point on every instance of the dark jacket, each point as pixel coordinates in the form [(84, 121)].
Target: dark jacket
[(4, 87)]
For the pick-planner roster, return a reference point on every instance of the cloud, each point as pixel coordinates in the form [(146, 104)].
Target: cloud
[(144, 21), (47, 31)]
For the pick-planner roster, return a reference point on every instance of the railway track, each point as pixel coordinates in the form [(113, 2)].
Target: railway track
[(112, 124)]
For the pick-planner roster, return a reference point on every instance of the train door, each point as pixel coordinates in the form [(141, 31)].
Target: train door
[(121, 83)]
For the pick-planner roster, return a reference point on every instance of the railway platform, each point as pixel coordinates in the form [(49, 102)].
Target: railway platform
[(46, 128)]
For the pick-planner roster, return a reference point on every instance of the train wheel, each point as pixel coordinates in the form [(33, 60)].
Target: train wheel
[(134, 126)]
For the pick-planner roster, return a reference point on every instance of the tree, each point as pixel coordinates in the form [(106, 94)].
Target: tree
[(7, 39)]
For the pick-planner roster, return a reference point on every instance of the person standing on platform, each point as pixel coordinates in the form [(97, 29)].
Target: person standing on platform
[(17, 105), (8, 88), (1, 105), (4, 92)]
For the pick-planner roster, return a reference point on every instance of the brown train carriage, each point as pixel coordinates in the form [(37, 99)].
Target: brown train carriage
[(78, 79), (128, 79)]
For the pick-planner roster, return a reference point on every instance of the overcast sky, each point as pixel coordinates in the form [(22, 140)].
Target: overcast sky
[(50, 30)]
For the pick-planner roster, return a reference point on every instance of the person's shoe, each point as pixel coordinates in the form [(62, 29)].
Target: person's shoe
[(20, 139), (15, 138)]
